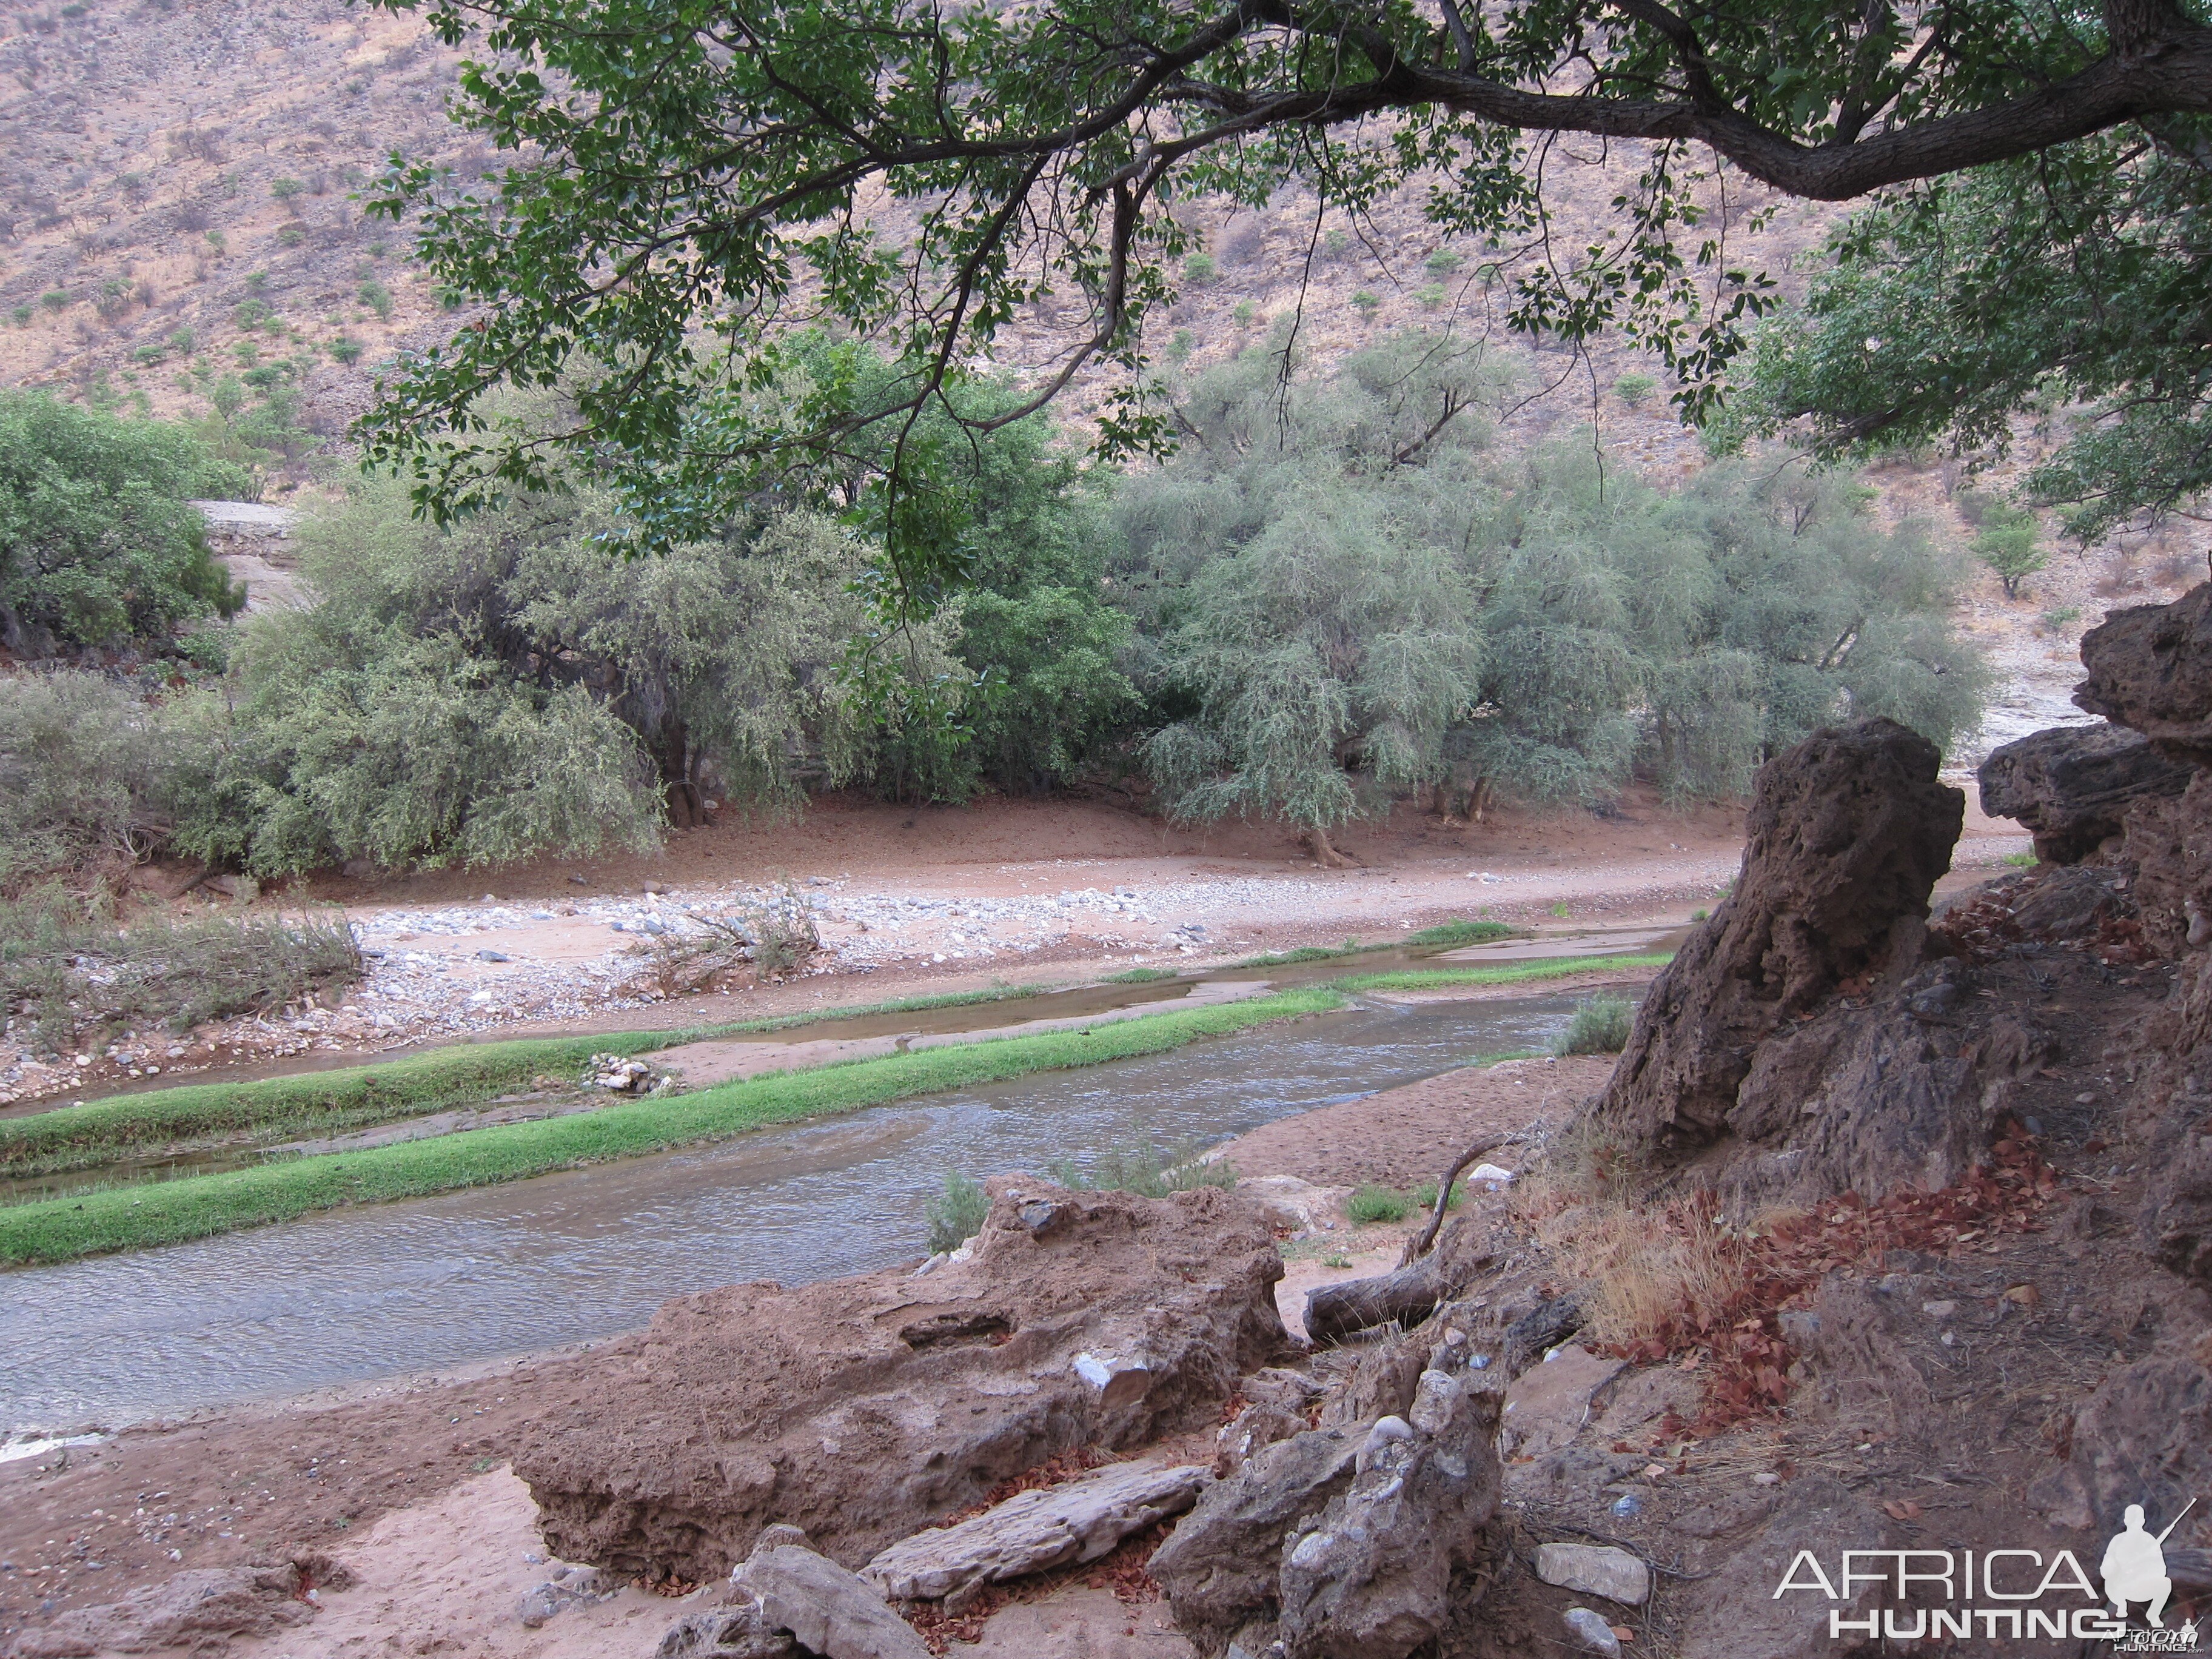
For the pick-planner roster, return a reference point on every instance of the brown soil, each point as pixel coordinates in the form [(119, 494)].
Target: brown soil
[(1401, 1137)]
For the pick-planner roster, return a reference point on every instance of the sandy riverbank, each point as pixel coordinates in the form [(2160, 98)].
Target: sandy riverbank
[(402, 1479)]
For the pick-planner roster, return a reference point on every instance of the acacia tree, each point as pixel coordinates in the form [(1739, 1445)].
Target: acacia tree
[(1341, 597), (1968, 310), (697, 176)]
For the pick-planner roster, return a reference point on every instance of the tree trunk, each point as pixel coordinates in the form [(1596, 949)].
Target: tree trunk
[(670, 746), (1324, 854)]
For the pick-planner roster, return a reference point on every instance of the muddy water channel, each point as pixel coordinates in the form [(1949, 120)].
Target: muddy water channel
[(349, 1295)]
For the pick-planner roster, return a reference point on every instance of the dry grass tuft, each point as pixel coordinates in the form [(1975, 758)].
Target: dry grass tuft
[(1650, 1272)]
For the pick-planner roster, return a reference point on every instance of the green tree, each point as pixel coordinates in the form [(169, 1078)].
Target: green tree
[(1341, 597), (99, 544), (2011, 542), (1312, 636), (1969, 310), (1049, 147)]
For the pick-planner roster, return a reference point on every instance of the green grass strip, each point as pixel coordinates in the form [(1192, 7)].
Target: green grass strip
[(325, 1103), (1445, 935), (1508, 973), (170, 1211)]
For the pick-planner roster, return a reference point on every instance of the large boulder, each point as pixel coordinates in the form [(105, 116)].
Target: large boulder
[(826, 1609), (865, 1409), (1899, 1094), (1847, 834), (2150, 667), (2071, 787)]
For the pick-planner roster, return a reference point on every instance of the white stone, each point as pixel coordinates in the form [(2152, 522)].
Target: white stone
[(1595, 1570), (1592, 1633)]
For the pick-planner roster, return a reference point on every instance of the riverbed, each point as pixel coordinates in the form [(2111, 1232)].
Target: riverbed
[(350, 1295)]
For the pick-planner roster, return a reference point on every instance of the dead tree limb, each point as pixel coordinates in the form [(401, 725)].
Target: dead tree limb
[(1418, 1245), (1407, 1296)]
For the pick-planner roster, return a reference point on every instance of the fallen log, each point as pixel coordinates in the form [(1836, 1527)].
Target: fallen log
[(1407, 1294)]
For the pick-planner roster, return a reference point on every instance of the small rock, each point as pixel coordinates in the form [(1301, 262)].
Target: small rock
[(830, 1611), (1628, 1506), (1386, 1431), (1595, 1570), (1939, 1309), (740, 1633), (1591, 1633), (491, 956)]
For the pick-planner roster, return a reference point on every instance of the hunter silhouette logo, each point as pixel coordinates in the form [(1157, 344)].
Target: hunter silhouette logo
[(2134, 1568)]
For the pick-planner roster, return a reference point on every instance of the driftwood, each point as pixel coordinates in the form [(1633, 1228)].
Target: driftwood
[(1407, 1296), (1420, 1243), (1033, 1530)]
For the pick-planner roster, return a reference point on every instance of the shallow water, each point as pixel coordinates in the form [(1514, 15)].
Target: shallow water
[(354, 1294)]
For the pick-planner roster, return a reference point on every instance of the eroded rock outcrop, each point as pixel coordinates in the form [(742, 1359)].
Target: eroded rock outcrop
[(2150, 668), (1222, 1566), (1846, 835), (2071, 787), (1372, 1577), (865, 1409)]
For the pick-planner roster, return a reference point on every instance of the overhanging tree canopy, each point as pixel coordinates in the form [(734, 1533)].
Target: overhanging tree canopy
[(695, 176)]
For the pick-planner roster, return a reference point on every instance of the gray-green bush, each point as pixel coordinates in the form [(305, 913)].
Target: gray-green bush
[(1600, 1025), (1146, 1171), (1341, 597), (1373, 1203), (71, 978), (956, 1214)]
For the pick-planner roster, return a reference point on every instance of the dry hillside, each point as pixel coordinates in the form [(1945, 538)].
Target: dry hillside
[(178, 212)]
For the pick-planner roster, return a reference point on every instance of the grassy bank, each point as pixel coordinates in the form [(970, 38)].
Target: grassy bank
[(61, 1230), (328, 1103), (1510, 973), (1447, 936)]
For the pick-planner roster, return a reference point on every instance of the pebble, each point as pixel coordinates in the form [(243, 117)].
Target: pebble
[(1591, 1632)]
